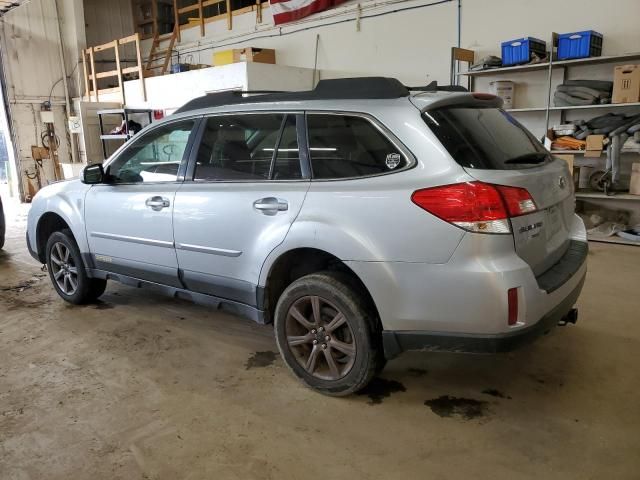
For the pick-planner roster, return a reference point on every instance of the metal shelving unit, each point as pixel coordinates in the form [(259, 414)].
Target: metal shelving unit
[(601, 195), (548, 108), (124, 113), (556, 63)]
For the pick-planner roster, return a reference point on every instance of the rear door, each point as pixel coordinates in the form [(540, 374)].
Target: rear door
[(494, 148), (246, 186)]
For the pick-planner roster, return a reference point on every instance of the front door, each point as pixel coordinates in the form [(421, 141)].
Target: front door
[(129, 220), (248, 186)]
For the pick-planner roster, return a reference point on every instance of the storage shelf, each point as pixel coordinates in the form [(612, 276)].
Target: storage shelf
[(602, 105), (526, 109), (558, 63), (615, 239), (122, 111), (603, 196), (582, 152), (115, 137), (577, 107)]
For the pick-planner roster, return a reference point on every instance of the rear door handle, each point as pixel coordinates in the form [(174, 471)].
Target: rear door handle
[(271, 205), (157, 203)]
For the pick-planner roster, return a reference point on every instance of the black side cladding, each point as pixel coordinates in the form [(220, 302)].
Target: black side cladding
[(364, 88)]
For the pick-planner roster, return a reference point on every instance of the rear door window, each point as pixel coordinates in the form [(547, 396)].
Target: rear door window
[(246, 147), (344, 146), (485, 138)]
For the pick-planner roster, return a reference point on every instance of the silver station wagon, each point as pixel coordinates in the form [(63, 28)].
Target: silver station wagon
[(362, 218)]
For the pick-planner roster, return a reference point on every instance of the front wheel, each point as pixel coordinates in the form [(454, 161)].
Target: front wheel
[(67, 271), (327, 334)]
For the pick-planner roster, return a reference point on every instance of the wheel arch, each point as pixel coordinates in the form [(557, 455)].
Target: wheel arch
[(295, 263), (49, 223)]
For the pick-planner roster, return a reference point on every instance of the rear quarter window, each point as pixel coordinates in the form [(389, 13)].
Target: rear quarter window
[(346, 146), (485, 138)]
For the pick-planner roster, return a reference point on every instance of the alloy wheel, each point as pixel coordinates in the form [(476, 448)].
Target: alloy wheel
[(320, 338), (63, 268)]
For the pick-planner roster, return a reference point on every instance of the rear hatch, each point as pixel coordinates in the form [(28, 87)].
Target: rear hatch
[(494, 148)]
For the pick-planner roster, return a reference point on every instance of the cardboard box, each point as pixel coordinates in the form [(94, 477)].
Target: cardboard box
[(626, 84), (634, 185), (567, 158), (595, 144), (249, 54)]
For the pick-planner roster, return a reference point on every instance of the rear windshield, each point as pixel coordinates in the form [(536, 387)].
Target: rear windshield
[(486, 138)]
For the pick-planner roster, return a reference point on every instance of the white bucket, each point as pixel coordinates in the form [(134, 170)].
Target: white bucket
[(505, 89)]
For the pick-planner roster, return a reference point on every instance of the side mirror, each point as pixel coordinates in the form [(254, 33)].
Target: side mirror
[(92, 174)]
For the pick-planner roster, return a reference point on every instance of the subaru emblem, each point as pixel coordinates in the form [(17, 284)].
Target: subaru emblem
[(562, 182)]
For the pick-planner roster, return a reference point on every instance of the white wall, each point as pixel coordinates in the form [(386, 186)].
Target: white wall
[(32, 66), (414, 45)]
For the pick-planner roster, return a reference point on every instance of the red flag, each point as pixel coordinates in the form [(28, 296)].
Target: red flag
[(285, 11)]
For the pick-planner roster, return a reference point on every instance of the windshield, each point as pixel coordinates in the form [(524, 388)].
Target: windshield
[(485, 138)]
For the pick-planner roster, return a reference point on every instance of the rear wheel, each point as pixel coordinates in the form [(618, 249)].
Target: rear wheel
[(327, 334), (67, 271)]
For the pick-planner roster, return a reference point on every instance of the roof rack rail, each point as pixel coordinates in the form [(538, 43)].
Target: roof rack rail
[(363, 88), (434, 87)]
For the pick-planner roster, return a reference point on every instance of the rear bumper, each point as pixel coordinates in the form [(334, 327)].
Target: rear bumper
[(396, 342)]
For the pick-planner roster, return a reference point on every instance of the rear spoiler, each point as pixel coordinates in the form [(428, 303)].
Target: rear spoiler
[(434, 87), (472, 100)]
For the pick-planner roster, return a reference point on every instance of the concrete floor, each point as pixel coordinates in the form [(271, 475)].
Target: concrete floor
[(144, 387)]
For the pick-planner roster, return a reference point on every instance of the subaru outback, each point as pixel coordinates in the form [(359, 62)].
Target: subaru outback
[(361, 218)]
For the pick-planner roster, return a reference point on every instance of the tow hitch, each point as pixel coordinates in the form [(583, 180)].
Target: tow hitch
[(571, 317)]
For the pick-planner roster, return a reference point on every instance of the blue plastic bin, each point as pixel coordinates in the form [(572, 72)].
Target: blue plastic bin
[(519, 51), (579, 45)]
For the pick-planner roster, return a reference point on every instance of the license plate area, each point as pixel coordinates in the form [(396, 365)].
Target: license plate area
[(554, 222)]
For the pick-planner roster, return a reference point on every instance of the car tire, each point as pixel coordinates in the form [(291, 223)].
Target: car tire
[(64, 260), (327, 334)]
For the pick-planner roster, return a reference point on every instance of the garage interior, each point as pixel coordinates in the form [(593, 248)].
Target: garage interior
[(140, 385)]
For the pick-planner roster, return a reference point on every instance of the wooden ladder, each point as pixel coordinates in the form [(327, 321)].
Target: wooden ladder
[(160, 55)]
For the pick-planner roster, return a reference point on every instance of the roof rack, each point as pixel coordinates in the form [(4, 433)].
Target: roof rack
[(363, 88)]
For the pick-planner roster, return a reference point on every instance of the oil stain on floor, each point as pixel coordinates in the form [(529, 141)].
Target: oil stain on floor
[(379, 389), (261, 359), (467, 408), (495, 393)]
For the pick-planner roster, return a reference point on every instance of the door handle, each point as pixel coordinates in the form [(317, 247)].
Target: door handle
[(157, 203), (271, 205)]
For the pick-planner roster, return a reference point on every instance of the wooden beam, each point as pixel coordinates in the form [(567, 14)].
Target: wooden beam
[(119, 73), (129, 39), (222, 16), (86, 76), (229, 16), (93, 71), (140, 71), (130, 70), (110, 73), (154, 15), (201, 13), (106, 46), (190, 8), (177, 18), (258, 11)]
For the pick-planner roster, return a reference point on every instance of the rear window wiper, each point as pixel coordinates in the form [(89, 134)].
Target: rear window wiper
[(533, 157)]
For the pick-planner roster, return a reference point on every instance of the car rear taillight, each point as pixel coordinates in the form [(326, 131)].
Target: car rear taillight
[(476, 206), (518, 200)]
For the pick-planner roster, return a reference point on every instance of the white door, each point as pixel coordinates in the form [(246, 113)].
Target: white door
[(247, 189), (129, 219)]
